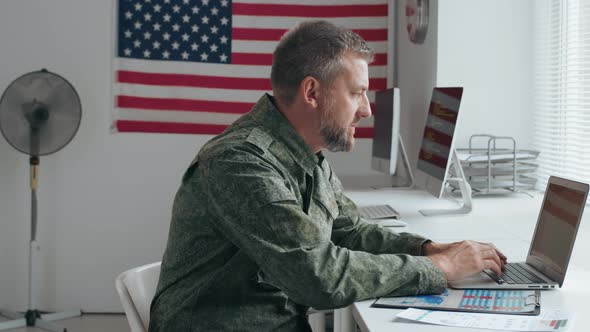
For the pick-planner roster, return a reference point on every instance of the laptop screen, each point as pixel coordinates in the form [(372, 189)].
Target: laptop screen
[(557, 227)]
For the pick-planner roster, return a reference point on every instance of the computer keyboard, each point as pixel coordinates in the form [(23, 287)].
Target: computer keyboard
[(378, 212), (515, 273)]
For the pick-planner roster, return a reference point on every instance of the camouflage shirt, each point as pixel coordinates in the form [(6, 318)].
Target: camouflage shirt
[(261, 231)]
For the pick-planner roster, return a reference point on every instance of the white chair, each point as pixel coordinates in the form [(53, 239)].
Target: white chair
[(136, 288)]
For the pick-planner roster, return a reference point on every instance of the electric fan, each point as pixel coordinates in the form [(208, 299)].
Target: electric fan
[(39, 114)]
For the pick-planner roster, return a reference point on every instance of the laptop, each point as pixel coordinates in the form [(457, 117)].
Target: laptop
[(551, 246)]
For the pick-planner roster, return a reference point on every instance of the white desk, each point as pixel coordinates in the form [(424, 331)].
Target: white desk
[(507, 221)]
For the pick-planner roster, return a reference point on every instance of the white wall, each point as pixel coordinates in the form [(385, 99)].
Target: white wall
[(105, 200), (484, 46), (415, 76), (487, 47)]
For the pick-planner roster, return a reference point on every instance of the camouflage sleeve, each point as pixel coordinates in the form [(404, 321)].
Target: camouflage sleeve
[(350, 230), (256, 210)]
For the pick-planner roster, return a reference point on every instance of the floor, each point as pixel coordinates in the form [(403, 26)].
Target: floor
[(105, 322), (86, 323)]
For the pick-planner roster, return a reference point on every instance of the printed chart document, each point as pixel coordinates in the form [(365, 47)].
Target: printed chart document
[(548, 320), (514, 302)]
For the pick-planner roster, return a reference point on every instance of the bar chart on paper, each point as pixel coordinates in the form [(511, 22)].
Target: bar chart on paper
[(495, 300)]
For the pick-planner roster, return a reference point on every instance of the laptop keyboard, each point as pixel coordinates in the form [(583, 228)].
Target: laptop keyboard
[(515, 273)]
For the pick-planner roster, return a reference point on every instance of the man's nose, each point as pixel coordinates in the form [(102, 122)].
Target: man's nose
[(365, 107)]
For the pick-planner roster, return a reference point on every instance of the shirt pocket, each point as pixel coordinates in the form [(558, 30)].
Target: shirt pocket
[(324, 208)]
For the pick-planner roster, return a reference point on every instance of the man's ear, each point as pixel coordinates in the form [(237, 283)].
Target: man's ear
[(310, 90)]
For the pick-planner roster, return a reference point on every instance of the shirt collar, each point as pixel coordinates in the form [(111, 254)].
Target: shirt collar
[(268, 116)]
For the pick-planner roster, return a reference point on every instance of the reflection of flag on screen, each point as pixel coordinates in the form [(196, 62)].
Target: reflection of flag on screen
[(195, 66), (437, 140), (563, 204)]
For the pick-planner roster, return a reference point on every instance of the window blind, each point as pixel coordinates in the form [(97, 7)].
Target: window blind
[(561, 116)]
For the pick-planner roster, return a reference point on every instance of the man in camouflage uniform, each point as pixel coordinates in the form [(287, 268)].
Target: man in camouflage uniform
[(261, 229)]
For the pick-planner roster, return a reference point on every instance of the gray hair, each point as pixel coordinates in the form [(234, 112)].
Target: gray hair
[(313, 48)]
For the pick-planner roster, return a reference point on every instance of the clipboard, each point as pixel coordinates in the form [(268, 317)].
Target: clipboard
[(512, 302)]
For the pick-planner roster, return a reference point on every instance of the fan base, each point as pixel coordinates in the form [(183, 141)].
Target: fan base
[(35, 318)]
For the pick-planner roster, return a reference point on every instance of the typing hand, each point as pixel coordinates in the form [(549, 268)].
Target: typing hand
[(461, 259)]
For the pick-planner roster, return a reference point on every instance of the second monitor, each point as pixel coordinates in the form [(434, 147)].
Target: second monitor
[(437, 152), (386, 119), (389, 153)]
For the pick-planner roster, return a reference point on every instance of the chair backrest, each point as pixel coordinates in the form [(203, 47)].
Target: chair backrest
[(136, 288)]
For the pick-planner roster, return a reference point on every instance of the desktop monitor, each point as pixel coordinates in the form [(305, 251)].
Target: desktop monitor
[(386, 130), (437, 140)]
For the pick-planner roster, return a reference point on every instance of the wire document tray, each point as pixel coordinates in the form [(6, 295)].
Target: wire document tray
[(498, 167)]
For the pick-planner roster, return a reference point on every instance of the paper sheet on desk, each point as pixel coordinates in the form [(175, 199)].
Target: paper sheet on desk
[(548, 320)]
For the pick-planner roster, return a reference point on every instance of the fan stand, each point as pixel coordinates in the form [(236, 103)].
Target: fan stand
[(33, 317)]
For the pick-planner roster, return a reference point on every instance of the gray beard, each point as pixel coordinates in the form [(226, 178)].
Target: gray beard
[(336, 139)]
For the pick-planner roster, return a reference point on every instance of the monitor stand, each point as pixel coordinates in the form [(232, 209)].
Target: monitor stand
[(408, 169), (407, 176), (465, 192)]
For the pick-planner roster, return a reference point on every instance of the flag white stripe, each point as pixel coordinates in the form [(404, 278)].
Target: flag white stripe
[(176, 116), (366, 122), (191, 117), (273, 22), (211, 69), (150, 91), (244, 46), (193, 68)]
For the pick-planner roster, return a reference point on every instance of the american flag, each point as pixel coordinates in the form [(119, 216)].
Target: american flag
[(195, 66)]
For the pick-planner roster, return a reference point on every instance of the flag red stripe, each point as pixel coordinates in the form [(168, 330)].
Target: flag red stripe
[(257, 59), (276, 34), (191, 105), (257, 34), (193, 128), (309, 10), (372, 34), (380, 59), (377, 84), (202, 81), (265, 59), (213, 82), (363, 132)]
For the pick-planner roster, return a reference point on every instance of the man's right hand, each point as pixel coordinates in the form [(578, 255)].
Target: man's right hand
[(461, 259)]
